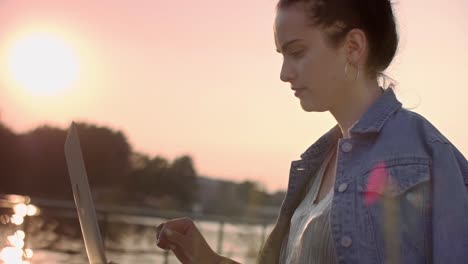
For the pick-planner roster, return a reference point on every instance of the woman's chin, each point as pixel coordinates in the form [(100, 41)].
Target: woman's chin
[(311, 107)]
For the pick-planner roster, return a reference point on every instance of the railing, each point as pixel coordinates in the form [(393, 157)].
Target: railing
[(111, 214)]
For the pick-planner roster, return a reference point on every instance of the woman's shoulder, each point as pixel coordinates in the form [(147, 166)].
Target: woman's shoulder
[(411, 125), (408, 137), (412, 131)]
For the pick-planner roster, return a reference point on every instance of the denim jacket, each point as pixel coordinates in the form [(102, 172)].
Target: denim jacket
[(400, 194)]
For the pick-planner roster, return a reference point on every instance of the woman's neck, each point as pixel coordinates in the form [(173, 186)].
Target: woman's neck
[(353, 103)]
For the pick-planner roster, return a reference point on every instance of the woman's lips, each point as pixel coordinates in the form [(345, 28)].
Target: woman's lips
[(298, 91)]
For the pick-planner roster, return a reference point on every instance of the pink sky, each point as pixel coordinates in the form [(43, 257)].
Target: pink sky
[(202, 78)]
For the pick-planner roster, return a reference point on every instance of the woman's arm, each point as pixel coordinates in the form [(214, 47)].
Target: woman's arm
[(449, 204)]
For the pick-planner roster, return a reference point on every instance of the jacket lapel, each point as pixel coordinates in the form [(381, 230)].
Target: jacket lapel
[(301, 172)]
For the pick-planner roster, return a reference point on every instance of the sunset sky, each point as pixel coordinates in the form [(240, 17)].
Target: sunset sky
[(202, 77)]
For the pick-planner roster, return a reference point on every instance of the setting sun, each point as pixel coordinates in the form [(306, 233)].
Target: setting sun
[(42, 64)]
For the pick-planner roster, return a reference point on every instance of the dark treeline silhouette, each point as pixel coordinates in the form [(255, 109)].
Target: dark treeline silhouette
[(34, 164)]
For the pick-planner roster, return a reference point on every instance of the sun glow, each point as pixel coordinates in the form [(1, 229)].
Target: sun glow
[(43, 63)]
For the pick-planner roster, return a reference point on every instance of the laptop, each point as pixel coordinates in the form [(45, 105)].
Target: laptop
[(83, 199)]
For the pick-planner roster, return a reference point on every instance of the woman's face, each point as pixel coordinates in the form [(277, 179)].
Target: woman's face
[(314, 69)]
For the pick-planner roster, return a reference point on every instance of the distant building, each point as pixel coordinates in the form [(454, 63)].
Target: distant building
[(217, 196)]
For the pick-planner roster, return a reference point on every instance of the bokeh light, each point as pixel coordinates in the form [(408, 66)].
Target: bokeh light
[(32, 210), (16, 241), (11, 255), (17, 219), (28, 253), (21, 209)]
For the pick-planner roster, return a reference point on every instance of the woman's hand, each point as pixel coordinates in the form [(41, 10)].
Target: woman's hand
[(185, 240)]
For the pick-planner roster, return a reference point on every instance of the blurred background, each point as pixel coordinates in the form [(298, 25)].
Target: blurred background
[(180, 112)]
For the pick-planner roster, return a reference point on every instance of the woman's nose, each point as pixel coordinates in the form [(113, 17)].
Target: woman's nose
[(286, 74)]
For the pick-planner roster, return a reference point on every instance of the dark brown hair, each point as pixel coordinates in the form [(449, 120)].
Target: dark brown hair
[(374, 17)]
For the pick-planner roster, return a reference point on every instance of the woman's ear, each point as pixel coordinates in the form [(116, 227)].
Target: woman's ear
[(356, 47)]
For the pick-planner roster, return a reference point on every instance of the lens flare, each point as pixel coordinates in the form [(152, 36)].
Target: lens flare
[(376, 183)]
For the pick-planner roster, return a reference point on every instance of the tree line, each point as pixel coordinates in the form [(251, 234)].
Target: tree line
[(33, 163)]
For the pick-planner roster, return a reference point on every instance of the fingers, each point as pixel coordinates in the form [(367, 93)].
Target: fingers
[(158, 231), (176, 238), (185, 240), (169, 238), (162, 242), (180, 227), (159, 228), (178, 243)]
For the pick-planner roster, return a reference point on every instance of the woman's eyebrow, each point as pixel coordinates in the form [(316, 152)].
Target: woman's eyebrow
[(287, 44)]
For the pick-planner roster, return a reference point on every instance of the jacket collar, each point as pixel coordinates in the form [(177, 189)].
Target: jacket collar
[(378, 113), (371, 121)]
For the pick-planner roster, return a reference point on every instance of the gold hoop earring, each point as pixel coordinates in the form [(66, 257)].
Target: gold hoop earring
[(346, 71)]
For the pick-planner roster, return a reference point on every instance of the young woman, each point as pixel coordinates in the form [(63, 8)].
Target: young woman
[(384, 185)]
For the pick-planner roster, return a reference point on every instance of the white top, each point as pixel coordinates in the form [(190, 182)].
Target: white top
[(309, 239)]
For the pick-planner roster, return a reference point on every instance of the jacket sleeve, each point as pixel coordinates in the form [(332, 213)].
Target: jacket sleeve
[(449, 204)]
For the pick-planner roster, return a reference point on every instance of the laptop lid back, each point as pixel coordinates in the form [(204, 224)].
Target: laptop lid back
[(83, 199)]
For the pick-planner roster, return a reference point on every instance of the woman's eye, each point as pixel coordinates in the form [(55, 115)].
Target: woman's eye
[(297, 54)]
